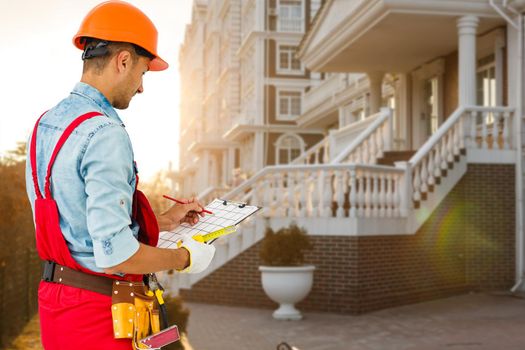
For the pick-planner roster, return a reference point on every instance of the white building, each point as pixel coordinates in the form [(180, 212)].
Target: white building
[(243, 90), (416, 190)]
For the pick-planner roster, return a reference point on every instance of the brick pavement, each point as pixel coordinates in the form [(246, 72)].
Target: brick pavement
[(471, 322)]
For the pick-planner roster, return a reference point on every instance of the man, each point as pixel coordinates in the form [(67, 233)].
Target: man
[(91, 223)]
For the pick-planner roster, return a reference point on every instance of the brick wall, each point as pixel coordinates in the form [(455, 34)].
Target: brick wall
[(467, 244), (490, 226)]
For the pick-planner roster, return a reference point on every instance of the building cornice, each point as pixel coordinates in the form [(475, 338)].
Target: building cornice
[(367, 14), (210, 144), (285, 37), (247, 42), (240, 131)]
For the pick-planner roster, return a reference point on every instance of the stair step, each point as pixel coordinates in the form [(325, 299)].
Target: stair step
[(390, 157)]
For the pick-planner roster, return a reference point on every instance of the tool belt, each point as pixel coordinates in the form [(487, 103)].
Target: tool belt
[(134, 308)]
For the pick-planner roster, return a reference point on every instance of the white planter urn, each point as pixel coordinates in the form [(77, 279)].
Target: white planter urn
[(287, 285)]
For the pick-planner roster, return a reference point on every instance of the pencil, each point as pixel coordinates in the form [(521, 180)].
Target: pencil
[(181, 202)]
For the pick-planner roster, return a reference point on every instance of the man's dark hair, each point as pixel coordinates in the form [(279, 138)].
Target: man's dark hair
[(97, 53)]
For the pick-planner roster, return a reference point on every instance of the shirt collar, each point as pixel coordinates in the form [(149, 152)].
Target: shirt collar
[(89, 92)]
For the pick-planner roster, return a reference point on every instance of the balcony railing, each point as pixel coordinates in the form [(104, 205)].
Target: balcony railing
[(244, 119), (323, 92), (293, 25)]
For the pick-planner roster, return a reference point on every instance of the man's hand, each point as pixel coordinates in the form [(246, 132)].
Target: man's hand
[(179, 213), (200, 255)]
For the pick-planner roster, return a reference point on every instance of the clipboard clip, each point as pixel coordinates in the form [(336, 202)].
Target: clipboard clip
[(240, 205)]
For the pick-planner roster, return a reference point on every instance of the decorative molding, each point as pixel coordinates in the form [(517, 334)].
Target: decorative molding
[(368, 13), (429, 70)]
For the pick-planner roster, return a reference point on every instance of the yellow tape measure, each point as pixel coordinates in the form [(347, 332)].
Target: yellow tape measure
[(213, 235)]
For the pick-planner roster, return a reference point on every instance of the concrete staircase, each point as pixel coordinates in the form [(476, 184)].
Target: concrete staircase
[(390, 157), (347, 197)]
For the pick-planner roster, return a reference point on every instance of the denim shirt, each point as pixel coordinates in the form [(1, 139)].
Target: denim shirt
[(92, 180)]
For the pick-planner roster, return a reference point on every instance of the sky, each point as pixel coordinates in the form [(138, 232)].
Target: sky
[(40, 66)]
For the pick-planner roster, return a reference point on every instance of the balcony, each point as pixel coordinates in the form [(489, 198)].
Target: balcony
[(322, 101), (210, 137), (381, 35), (242, 125)]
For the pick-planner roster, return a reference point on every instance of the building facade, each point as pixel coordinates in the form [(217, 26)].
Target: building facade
[(415, 190), (242, 91)]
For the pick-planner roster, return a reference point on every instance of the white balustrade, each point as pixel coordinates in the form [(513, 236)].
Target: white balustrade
[(316, 210), (468, 127), (368, 191), (371, 143), (321, 190), (290, 184), (372, 191), (323, 92), (302, 193), (210, 194), (506, 128), (317, 154), (340, 193), (353, 194), (279, 205), (327, 188)]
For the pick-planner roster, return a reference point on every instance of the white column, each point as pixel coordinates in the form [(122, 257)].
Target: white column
[(467, 27), (204, 172), (258, 151), (230, 165), (402, 121), (376, 88), (225, 168), (498, 54), (260, 15), (341, 115)]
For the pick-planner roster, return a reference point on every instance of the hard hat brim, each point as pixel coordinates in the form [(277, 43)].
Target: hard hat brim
[(157, 64)]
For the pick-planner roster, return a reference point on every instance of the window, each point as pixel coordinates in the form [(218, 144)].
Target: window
[(288, 63), (358, 115), (288, 105), (486, 84), (287, 148), (291, 16)]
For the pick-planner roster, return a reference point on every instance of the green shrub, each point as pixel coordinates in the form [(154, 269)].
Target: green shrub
[(285, 247)]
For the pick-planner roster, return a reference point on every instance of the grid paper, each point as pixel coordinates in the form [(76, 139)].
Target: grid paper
[(224, 215)]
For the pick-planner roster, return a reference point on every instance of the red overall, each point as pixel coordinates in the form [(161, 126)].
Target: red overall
[(74, 318)]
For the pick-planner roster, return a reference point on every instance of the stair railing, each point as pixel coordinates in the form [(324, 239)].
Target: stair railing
[(468, 127), (317, 154), (370, 144)]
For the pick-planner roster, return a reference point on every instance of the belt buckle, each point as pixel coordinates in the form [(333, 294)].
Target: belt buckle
[(49, 271)]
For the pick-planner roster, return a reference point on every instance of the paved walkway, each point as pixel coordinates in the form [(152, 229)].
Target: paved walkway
[(472, 322)]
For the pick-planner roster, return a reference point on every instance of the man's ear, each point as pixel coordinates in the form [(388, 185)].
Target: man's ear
[(124, 60)]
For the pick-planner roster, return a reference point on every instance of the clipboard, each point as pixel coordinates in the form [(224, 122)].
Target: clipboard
[(226, 213)]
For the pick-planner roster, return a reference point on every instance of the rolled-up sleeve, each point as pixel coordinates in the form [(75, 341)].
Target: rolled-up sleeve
[(107, 169)]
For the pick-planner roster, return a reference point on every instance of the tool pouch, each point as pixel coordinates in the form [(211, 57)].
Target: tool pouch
[(135, 313)]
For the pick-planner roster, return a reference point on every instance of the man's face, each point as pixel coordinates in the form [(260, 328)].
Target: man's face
[(131, 83)]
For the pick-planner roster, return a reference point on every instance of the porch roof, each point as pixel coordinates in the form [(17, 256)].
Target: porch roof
[(388, 35)]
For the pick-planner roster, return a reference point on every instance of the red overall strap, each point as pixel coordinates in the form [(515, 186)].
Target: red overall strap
[(32, 156), (51, 244), (67, 132)]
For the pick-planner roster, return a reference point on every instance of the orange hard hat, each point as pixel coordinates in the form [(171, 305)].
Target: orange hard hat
[(120, 21)]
